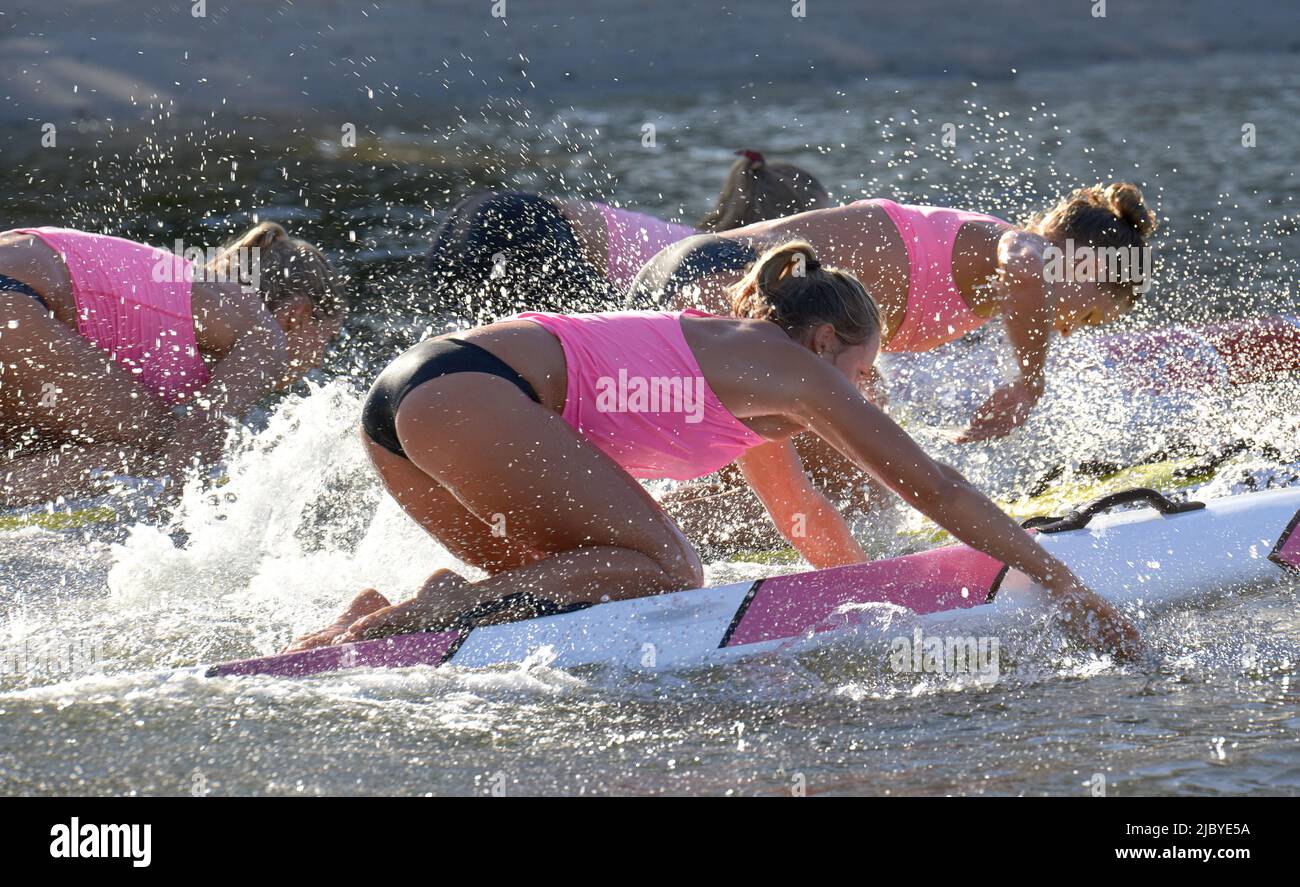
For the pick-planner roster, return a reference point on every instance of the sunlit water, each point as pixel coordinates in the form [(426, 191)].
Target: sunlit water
[(98, 620)]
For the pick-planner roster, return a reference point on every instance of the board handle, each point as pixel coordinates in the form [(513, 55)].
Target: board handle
[(1078, 518)]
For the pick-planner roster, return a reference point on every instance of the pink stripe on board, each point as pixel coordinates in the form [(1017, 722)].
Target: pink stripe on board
[(400, 651), (929, 582), (1287, 551)]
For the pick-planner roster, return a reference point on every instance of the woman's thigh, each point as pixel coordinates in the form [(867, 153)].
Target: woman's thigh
[(441, 514), (517, 465)]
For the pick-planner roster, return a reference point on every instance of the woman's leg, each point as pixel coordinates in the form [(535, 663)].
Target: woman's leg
[(441, 514), (443, 517), (514, 465), (363, 604), (39, 474), (66, 408)]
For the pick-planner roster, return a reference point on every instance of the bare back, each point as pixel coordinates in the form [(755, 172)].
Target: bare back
[(858, 238), (861, 239)]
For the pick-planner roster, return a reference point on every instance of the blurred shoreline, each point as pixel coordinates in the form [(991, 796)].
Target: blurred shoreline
[(401, 62)]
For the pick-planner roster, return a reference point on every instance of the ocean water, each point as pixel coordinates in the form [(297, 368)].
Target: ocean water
[(103, 622)]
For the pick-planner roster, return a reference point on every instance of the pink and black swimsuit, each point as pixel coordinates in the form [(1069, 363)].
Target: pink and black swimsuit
[(633, 239), (497, 254), (635, 391)]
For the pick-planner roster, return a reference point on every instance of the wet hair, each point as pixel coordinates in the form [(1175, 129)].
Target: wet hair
[(289, 268), (1113, 215), (790, 287), (756, 190)]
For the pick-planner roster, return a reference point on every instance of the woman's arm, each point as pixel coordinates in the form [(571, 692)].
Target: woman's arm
[(56, 382), (831, 407), (71, 393), (1027, 313), (803, 515), (253, 361)]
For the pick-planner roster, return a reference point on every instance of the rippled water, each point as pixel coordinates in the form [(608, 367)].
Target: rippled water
[(98, 618)]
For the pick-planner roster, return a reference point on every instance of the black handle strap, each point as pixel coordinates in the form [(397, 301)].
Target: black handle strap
[(1078, 518), (520, 605)]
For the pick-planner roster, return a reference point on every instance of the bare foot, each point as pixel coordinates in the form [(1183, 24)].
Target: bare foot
[(437, 599), (441, 584), (362, 605)]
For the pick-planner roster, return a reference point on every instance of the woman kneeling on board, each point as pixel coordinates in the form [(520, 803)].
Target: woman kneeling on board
[(518, 446), (124, 357)]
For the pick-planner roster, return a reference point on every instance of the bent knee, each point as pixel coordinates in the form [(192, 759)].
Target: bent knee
[(680, 562), (688, 573)]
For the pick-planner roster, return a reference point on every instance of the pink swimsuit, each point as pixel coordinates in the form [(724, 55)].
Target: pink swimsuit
[(634, 239), (636, 391), (133, 301), (936, 312)]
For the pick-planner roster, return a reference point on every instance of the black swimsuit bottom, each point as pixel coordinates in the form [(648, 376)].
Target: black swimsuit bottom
[(415, 366), (14, 285), (680, 265), (429, 360)]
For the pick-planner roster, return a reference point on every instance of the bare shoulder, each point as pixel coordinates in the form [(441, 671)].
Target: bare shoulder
[(810, 224), (223, 312), (1019, 244), (1020, 254), (754, 367), (34, 262), (743, 336)]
